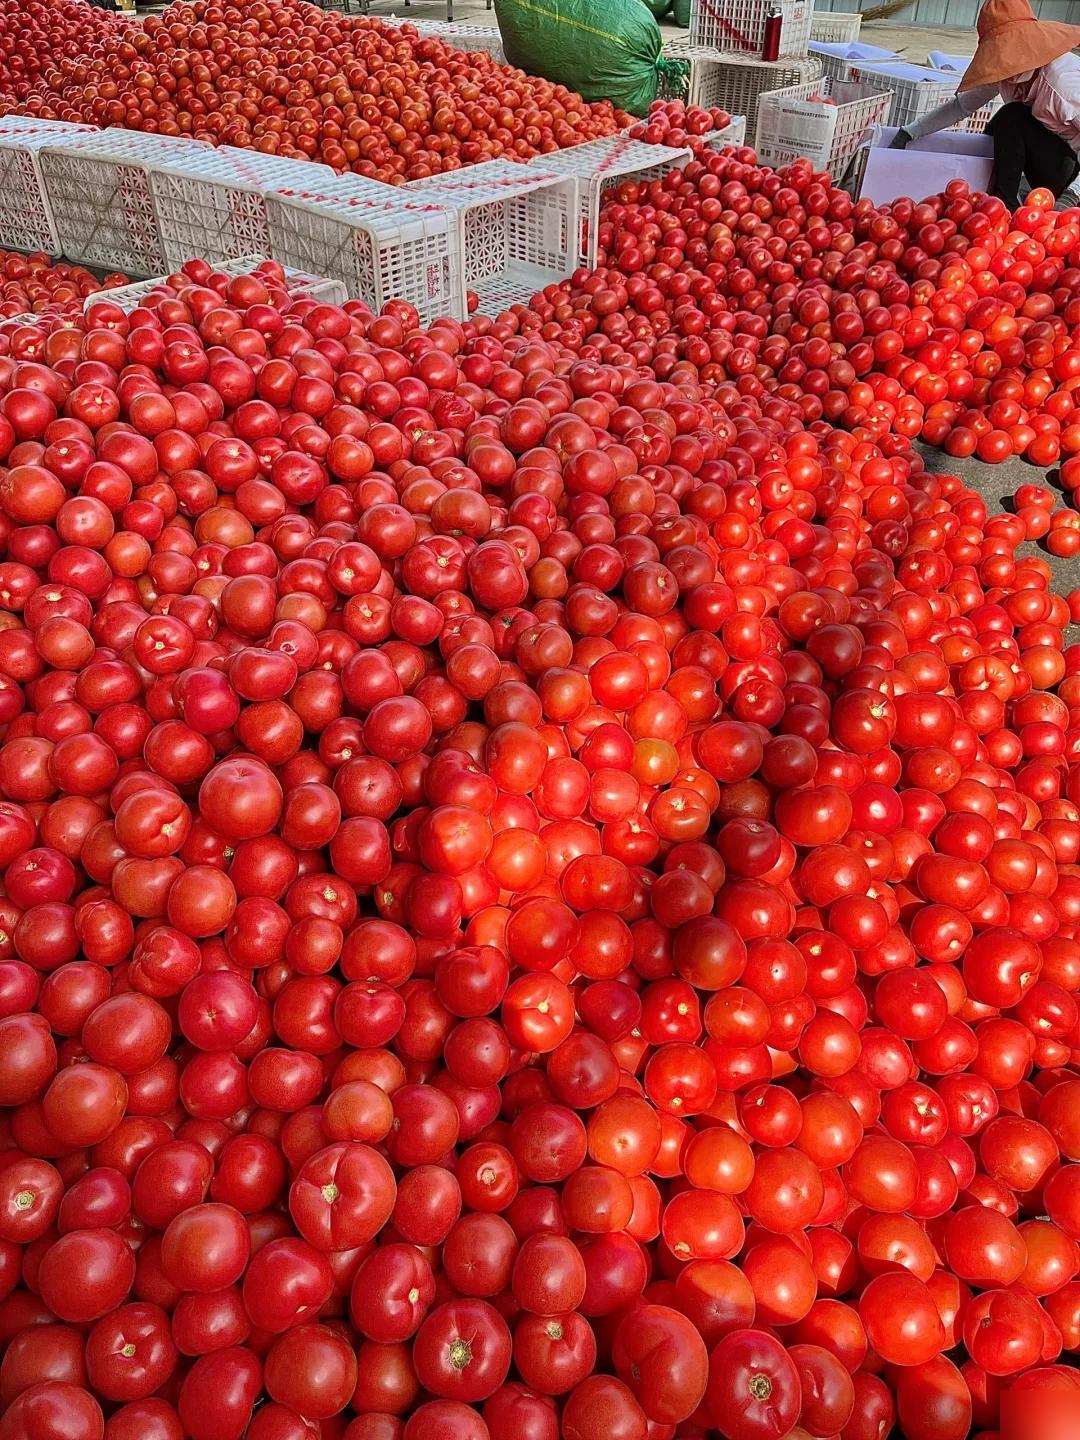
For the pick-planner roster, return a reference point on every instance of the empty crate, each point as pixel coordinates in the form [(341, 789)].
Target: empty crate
[(835, 26), (213, 204), (737, 27), (26, 220), (917, 90), (516, 227), (98, 186), (382, 242)]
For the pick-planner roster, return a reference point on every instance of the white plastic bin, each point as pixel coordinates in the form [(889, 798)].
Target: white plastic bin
[(380, 241), (599, 164), (26, 218), (737, 27), (213, 204), (98, 186), (792, 124), (835, 25), (516, 227)]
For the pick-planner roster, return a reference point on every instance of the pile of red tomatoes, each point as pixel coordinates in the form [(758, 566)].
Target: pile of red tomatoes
[(288, 79), (34, 284), (673, 122), (540, 857), (949, 320)]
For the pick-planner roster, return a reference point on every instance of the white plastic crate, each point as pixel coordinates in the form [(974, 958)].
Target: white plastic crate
[(737, 27), (733, 134), (839, 58), (98, 186), (380, 241), (737, 85), (792, 124), (598, 164), (462, 37), (835, 26), (26, 220), (916, 89), (516, 228), (213, 204), (315, 287)]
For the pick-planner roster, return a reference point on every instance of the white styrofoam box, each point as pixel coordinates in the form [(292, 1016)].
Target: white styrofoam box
[(98, 186), (315, 287), (213, 205), (380, 241), (918, 89), (926, 166), (516, 227), (737, 27), (737, 85), (462, 37), (837, 58), (792, 124), (26, 220), (598, 164), (835, 25)]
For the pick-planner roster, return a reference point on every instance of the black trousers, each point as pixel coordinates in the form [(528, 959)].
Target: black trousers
[(1024, 147)]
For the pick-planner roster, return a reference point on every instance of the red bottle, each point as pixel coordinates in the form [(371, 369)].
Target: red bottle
[(770, 43)]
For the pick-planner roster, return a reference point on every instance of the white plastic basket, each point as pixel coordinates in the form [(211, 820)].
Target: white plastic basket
[(98, 185), (314, 287), (733, 134), (738, 85), (839, 58), (835, 26), (792, 125), (469, 38), (213, 205), (916, 89), (516, 227), (598, 164), (26, 220), (380, 241), (737, 27)]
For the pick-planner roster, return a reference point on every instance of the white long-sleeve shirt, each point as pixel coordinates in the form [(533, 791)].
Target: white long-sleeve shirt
[(1051, 93)]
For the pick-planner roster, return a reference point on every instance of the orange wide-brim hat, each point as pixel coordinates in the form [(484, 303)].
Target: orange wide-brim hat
[(1012, 42)]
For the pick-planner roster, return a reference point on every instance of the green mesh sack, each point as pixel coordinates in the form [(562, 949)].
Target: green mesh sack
[(680, 13), (658, 7), (603, 49)]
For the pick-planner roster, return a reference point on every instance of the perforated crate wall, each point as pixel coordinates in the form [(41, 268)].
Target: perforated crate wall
[(26, 220), (737, 85), (516, 229), (913, 95), (791, 124), (214, 204), (919, 89), (737, 27), (98, 186), (462, 37), (733, 134), (599, 164), (316, 287), (381, 242), (834, 26)]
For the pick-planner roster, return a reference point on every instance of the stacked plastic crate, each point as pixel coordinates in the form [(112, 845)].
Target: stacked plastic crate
[(740, 50)]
